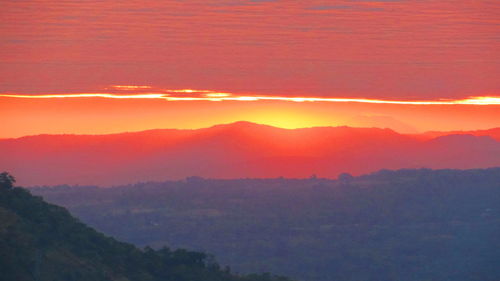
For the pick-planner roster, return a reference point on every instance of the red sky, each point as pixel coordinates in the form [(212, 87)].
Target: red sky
[(384, 50)]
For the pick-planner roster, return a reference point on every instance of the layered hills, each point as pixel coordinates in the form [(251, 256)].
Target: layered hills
[(239, 150)]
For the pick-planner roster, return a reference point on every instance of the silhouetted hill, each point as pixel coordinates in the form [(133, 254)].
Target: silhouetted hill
[(237, 150), (410, 225), (494, 133), (41, 241)]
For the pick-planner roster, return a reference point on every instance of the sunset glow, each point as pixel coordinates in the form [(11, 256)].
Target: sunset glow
[(108, 66), (356, 123)]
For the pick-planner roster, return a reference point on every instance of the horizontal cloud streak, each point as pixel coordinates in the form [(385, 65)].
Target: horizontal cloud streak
[(208, 95)]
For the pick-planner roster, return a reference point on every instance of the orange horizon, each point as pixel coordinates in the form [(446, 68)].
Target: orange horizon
[(258, 124), (129, 108)]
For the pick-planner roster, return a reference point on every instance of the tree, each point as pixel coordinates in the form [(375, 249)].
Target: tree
[(345, 177), (6, 180)]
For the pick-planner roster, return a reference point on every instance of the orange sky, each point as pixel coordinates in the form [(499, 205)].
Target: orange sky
[(140, 111), (383, 50)]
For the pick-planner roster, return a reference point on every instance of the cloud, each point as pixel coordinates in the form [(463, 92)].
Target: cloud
[(149, 92)]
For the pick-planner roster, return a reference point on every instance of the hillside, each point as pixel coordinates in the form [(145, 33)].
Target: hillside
[(494, 133), (41, 241), (410, 225), (237, 150)]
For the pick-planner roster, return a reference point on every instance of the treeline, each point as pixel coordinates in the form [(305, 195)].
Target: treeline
[(40, 241)]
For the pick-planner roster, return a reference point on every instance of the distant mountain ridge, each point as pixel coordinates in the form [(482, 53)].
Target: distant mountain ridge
[(238, 150), (494, 133)]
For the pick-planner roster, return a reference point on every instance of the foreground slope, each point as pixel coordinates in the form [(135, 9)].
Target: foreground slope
[(40, 241), (237, 150), (410, 225)]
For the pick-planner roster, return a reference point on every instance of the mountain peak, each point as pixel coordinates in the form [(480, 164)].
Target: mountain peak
[(242, 124), (464, 139)]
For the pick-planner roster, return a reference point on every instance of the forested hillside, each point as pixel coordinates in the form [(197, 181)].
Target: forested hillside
[(410, 225), (42, 242)]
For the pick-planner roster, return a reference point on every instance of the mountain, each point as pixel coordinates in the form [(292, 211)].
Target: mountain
[(236, 150), (494, 133), (409, 225), (41, 241)]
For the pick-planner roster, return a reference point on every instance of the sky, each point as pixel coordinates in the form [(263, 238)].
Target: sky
[(284, 63)]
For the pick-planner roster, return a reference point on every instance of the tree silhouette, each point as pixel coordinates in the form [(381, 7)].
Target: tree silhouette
[(6, 180), (345, 177)]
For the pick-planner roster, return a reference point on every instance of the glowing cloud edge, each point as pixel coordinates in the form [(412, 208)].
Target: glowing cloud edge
[(208, 95)]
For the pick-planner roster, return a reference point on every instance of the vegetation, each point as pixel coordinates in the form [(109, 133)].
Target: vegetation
[(6, 180), (411, 225), (41, 241)]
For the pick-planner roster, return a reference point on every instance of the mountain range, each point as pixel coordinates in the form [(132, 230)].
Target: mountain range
[(239, 150)]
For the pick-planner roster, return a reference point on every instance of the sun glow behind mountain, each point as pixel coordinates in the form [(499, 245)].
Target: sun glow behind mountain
[(239, 150), (292, 94), (120, 108)]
